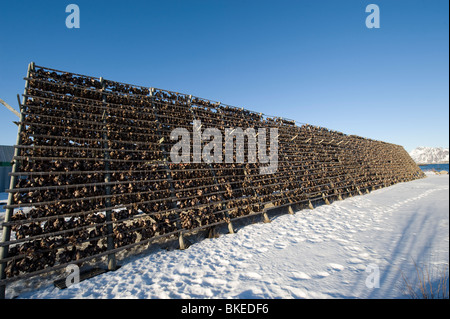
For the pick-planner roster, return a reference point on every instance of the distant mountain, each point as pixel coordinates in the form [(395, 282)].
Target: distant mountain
[(430, 155)]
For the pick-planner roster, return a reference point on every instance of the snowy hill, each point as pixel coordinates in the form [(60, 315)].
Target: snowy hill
[(430, 155)]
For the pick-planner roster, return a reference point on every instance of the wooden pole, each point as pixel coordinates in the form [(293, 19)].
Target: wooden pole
[(290, 210), (266, 218), (182, 244), (212, 172), (112, 263), (327, 202), (6, 235), (9, 107)]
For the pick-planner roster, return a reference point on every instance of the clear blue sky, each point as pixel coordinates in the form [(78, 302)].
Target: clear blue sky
[(312, 61)]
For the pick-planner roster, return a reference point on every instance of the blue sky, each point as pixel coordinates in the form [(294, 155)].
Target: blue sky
[(312, 61)]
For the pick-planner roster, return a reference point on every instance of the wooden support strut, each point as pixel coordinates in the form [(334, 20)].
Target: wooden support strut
[(213, 173), (212, 230), (10, 108), (290, 210), (6, 235), (182, 243), (112, 263), (266, 218), (327, 202)]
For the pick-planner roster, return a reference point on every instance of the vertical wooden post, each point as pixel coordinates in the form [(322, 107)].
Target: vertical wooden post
[(112, 263), (212, 172), (266, 218), (327, 202), (227, 215), (181, 241), (359, 190), (290, 210), (212, 232), (6, 234)]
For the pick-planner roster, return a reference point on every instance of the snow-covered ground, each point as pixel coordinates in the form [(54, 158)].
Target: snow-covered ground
[(329, 252), (3, 199)]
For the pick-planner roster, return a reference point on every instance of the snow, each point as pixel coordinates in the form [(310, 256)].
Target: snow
[(3, 201), (327, 252), (430, 155)]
